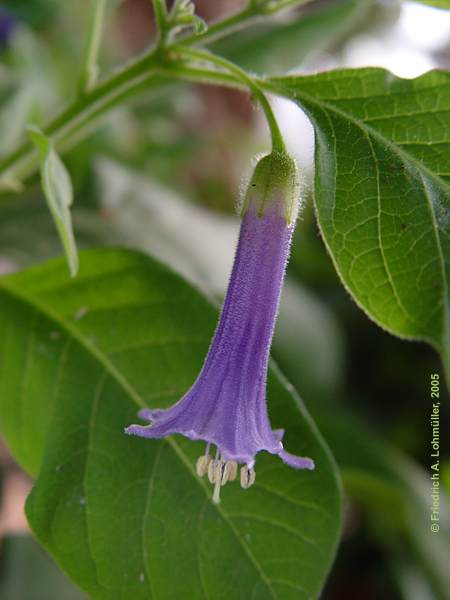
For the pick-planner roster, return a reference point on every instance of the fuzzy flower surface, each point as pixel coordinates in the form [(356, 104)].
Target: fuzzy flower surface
[(226, 406)]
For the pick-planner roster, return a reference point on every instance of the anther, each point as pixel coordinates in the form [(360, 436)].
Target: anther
[(247, 477), (202, 465), (212, 470), (232, 470), (224, 473)]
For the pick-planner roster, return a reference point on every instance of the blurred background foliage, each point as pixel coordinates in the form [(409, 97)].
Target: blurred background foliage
[(161, 173)]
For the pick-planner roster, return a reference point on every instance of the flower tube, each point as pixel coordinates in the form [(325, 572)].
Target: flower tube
[(226, 406)]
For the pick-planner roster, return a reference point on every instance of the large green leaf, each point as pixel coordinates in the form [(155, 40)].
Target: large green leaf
[(126, 517), (382, 192)]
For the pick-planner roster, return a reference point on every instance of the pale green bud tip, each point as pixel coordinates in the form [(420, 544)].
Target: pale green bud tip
[(274, 180)]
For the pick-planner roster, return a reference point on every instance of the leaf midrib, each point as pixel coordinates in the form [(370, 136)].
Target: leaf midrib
[(110, 368)]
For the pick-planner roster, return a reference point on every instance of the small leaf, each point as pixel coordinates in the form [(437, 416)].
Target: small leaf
[(57, 188), (199, 24), (182, 15)]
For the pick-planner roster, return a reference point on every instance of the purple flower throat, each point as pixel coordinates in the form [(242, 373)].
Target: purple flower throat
[(226, 406)]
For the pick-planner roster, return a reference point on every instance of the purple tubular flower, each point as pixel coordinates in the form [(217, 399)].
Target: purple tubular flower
[(226, 406)]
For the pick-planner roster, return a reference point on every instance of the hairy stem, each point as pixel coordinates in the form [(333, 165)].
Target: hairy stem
[(246, 79)]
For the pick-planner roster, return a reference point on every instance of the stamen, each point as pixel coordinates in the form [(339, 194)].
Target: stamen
[(219, 471), (212, 471), (224, 473), (203, 462), (232, 470), (202, 465), (220, 474), (216, 493), (247, 477)]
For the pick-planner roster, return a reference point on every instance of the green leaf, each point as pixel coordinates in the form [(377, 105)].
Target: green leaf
[(120, 514), (57, 187), (382, 192)]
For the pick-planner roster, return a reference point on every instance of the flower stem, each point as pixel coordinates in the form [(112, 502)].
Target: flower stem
[(247, 80)]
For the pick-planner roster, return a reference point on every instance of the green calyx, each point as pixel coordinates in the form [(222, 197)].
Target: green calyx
[(274, 181)]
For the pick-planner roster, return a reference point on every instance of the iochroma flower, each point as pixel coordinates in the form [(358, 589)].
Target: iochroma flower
[(226, 406)]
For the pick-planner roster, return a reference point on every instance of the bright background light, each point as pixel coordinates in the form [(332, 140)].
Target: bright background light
[(405, 48)]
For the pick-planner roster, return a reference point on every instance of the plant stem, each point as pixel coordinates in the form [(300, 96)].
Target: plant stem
[(76, 118), (138, 75), (247, 80), (160, 12), (198, 74), (89, 72)]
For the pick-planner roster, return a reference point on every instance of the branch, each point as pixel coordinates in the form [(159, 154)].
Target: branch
[(140, 74)]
